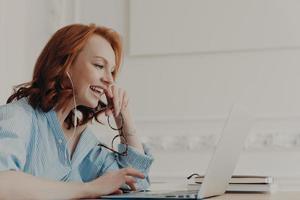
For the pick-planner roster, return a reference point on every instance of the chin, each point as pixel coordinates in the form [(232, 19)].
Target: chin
[(91, 103), (94, 104)]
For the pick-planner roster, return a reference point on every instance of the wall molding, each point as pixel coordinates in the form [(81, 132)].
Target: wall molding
[(269, 141), (201, 134), (171, 134)]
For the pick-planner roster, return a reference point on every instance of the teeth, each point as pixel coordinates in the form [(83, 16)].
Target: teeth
[(96, 89)]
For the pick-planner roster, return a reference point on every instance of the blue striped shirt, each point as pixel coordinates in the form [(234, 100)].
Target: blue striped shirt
[(33, 141)]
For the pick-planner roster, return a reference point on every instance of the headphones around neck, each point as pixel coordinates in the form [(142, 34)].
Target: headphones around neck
[(74, 100)]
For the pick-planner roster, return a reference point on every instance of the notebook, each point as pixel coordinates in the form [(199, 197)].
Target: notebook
[(221, 165), (240, 183), (241, 179)]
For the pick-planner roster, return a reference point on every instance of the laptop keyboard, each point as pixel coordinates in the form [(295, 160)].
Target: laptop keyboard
[(181, 194), (189, 194)]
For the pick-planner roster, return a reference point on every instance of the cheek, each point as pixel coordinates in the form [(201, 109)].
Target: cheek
[(85, 81), (94, 76), (87, 76)]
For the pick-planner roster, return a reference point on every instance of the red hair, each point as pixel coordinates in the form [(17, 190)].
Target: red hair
[(49, 88)]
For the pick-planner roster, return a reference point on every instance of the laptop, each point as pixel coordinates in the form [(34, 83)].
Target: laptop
[(221, 165)]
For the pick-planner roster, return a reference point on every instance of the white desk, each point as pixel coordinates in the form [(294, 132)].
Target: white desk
[(279, 195), (163, 183)]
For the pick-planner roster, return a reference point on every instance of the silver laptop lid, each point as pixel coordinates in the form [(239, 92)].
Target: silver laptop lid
[(226, 155)]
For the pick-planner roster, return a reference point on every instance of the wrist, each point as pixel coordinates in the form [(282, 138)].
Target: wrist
[(127, 123), (130, 133), (89, 191)]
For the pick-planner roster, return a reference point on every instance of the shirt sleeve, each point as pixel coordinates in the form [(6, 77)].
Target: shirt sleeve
[(15, 123), (134, 159)]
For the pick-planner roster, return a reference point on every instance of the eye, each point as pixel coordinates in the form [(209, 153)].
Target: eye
[(113, 71), (99, 66)]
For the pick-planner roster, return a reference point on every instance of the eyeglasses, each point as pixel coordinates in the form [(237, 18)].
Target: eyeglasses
[(119, 135)]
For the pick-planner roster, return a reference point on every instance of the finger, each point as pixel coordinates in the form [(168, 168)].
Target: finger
[(108, 91), (121, 92), (130, 181), (133, 172), (131, 185), (125, 100), (108, 112), (118, 191), (108, 99), (115, 100)]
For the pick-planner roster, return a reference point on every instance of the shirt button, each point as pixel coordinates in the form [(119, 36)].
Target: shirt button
[(60, 141)]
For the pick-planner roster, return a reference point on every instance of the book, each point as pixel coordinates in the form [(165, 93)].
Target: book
[(240, 183), (240, 187), (243, 179)]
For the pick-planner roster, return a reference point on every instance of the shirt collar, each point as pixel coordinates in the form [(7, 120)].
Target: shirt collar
[(55, 125), (86, 142)]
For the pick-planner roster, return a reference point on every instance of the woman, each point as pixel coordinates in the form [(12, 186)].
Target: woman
[(46, 147)]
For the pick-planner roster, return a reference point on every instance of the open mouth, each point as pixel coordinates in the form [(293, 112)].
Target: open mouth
[(98, 91)]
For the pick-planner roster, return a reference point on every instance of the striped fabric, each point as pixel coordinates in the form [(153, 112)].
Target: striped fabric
[(33, 141)]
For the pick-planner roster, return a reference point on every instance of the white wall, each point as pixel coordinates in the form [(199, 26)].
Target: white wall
[(24, 30), (180, 99)]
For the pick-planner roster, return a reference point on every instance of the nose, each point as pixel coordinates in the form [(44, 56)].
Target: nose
[(107, 79)]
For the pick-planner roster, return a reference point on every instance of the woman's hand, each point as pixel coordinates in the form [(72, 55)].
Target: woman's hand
[(111, 182), (117, 100)]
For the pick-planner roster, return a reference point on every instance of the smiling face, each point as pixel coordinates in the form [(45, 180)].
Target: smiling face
[(92, 70)]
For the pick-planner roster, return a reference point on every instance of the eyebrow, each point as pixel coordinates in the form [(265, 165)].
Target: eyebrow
[(105, 61)]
